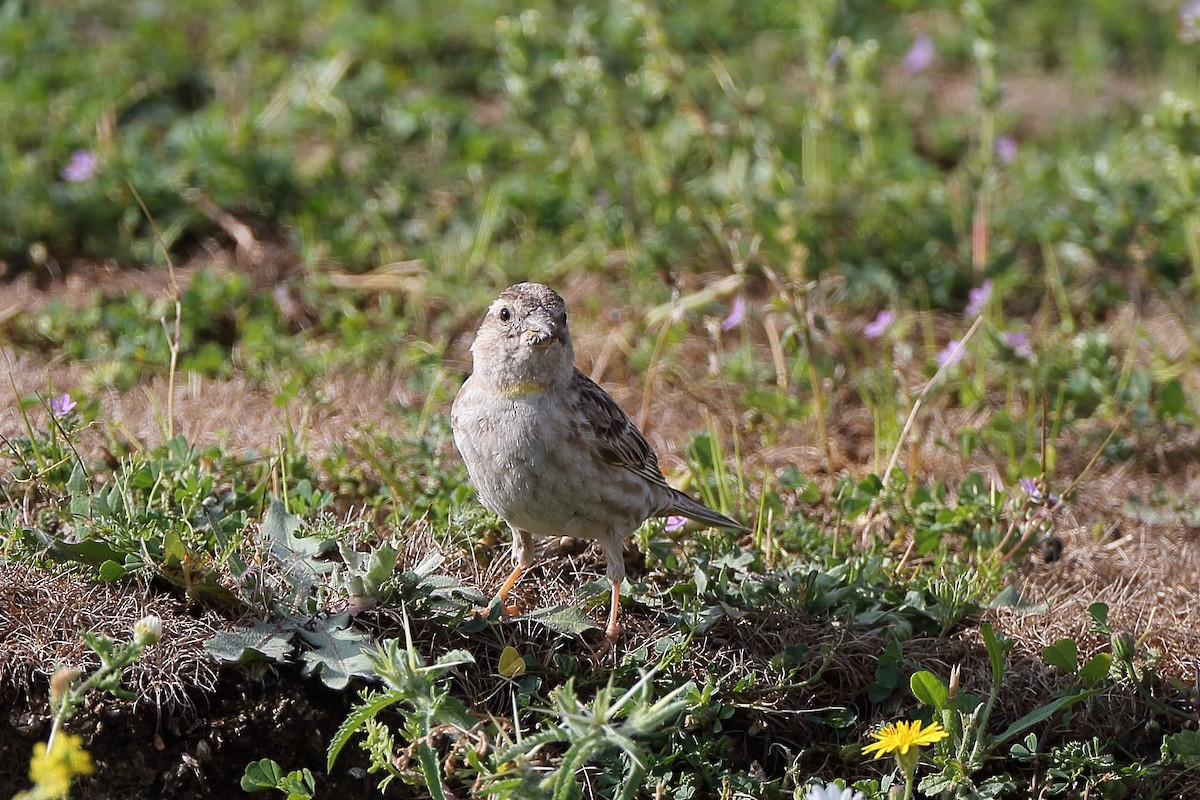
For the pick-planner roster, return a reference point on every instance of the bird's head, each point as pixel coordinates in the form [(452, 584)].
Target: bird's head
[(523, 341)]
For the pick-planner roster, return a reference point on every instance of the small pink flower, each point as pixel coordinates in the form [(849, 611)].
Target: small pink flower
[(951, 354), (883, 321), (1005, 149), (737, 313), (1019, 342), (81, 167), (920, 56), (62, 405), (675, 524), (977, 299)]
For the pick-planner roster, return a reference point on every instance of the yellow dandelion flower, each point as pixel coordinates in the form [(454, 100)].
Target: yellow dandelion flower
[(899, 737), (52, 770)]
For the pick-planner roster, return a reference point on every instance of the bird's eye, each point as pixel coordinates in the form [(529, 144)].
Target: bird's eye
[(505, 314)]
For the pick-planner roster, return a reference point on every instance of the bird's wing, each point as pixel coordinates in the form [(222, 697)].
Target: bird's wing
[(613, 436)]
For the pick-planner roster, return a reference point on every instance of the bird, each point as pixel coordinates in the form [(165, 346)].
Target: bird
[(548, 450)]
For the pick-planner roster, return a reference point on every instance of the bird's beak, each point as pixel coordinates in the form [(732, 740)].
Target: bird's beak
[(539, 329)]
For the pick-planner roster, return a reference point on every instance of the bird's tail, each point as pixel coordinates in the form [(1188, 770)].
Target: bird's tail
[(685, 506)]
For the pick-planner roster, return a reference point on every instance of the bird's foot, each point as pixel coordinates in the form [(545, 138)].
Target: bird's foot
[(498, 609), (609, 646)]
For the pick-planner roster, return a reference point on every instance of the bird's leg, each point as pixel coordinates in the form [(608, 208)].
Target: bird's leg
[(614, 629), (507, 587)]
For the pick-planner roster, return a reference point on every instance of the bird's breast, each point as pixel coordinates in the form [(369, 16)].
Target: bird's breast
[(531, 464)]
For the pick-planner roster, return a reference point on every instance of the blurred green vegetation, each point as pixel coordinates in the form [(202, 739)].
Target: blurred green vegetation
[(649, 137)]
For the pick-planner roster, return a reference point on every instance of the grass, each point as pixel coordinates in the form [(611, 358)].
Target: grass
[(929, 328)]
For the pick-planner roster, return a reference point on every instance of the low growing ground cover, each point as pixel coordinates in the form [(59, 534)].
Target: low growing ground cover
[(910, 292)]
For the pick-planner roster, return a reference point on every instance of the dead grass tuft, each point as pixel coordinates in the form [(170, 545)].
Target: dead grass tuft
[(44, 613)]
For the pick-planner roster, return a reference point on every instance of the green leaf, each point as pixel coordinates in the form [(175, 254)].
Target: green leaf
[(1185, 745), (112, 571), (174, 551), (996, 649), (260, 775), (261, 641), (938, 782), (1099, 614), (512, 665), (296, 556), (432, 769), (89, 551), (368, 708), (80, 492), (1172, 402), (1063, 654), (1009, 597), (339, 653), (929, 689), (368, 571), (1096, 668), (567, 620), (887, 672), (452, 658), (1038, 715)]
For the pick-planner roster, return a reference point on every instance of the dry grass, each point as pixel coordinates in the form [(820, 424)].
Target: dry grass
[(43, 612)]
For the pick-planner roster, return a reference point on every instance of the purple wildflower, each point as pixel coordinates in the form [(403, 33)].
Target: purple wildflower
[(1019, 342), (836, 57), (951, 354), (1005, 148), (1189, 22), (1035, 492), (977, 299), (920, 56), (737, 313), (675, 524), (1031, 488), (879, 326), (62, 405), (81, 167)]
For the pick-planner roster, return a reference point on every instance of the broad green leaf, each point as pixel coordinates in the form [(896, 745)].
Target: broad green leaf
[(1096, 668), (1009, 597), (452, 658), (112, 571), (296, 556), (1099, 614), (174, 551), (929, 689), (1063, 654), (512, 664), (1185, 745), (368, 571), (1172, 401), (264, 774), (262, 641), (89, 551), (338, 654), (562, 619)]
